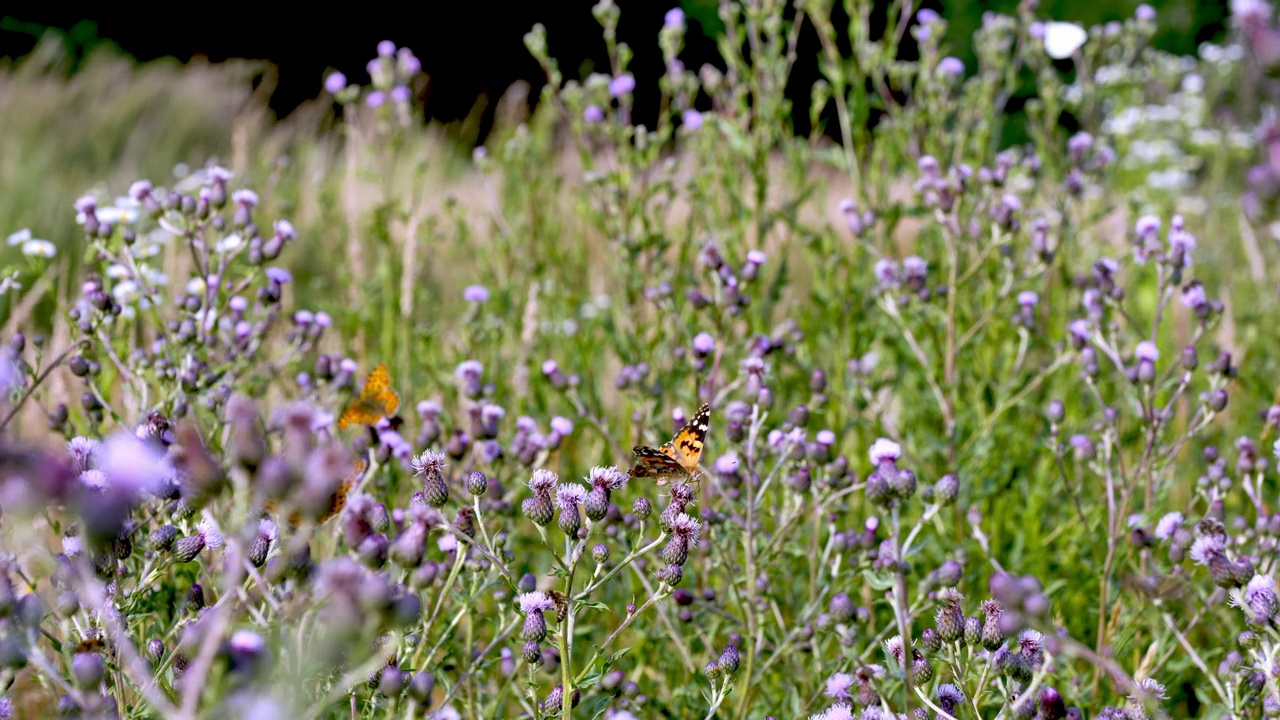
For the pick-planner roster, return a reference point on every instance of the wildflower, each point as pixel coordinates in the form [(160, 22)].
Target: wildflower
[(1062, 40), (949, 697), (674, 19), (838, 686), (593, 114), (622, 85), (1193, 296), (691, 120), (375, 99), (400, 95), (1168, 524), (428, 465), (561, 425), (475, 294), (885, 451), (951, 66), (568, 496), (1260, 597), (386, 48), (39, 248), (839, 711), (335, 83), (729, 660), (703, 344)]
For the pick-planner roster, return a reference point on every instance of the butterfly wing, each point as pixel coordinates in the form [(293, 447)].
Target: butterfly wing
[(377, 400), (654, 463), (344, 489), (688, 443)]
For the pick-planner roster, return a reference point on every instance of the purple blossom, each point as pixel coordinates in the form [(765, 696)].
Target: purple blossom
[(447, 543), (1028, 298), (408, 62), (1193, 295), (279, 276), (756, 257), (534, 602), (1147, 225), (1207, 547), (245, 198), (610, 478), (1147, 351), (884, 450), (469, 370), (386, 48), (1145, 13), (686, 528), (727, 464), (674, 19), (704, 344), (429, 461), (549, 367), (838, 686), (376, 99), (1168, 524), (335, 83), (691, 120), (926, 16), (622, 85), (951, 66), (475, 294), (133, 464), (593, 114), (826, 437), (400, 95), (543, 481), (561, 425), (570, 495)]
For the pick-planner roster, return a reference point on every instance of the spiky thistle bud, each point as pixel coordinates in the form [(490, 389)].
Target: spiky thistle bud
[(972, 631), (477, 483), (930, 641), (600, 553), (428, 465), (730, 660), (163, 538), (642, 508), (568, 496)]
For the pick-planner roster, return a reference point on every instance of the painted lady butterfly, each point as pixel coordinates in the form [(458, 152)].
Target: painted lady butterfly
[(677, 459)]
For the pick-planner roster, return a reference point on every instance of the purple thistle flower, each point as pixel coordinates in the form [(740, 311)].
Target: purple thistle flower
[(885, 451), (245, 198), (691, 120), (727, 464), (704, 344), (622, 85), (543, 481), (593, 114), (1206, 548), (1147, 225), (569, 495), (826, 437), (609, 478), (674, 19), (386, 48), (886, 272), (1260, 597), (926, 16), (475, 294), (951, 66), (408, 63), (561, 425), (1147, 352), (1168, 525), (133, 465), (838, 686), (375, 99), (1028, 298), (335, 83), (400, 95), (279, 275), (1145, 13)]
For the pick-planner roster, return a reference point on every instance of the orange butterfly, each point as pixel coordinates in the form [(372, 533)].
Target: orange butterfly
[(339, 495), (678, 458), (377, 400)]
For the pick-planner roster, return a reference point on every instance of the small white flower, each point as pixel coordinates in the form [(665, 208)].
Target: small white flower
[(229, 243), (19, 237), (39, 248), (1062, 40)]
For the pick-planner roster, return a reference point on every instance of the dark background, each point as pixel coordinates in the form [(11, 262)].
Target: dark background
[(473, 49)]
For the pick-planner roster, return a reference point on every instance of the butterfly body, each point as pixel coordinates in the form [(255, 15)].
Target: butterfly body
[(376, 401), (340, 493), (677, 459)]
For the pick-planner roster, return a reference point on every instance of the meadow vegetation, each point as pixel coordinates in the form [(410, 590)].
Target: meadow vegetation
[(992, 423)]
